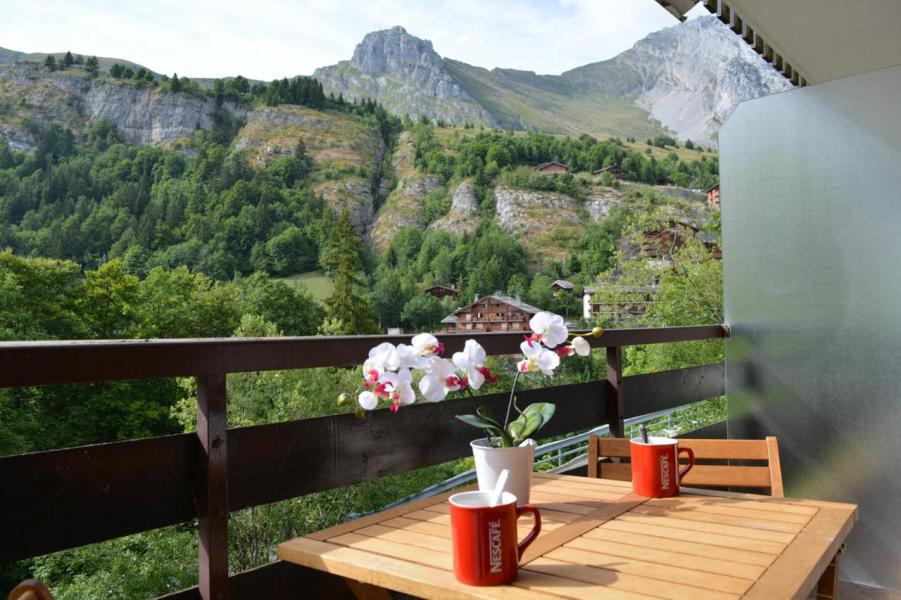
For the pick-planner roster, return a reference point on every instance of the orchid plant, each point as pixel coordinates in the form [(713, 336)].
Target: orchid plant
[(388, 375)]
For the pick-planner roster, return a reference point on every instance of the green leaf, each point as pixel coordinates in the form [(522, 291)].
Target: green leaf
[(483, 412), (545, 409), (476, 421)]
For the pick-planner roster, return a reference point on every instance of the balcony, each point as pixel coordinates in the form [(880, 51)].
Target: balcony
[(75, 496)]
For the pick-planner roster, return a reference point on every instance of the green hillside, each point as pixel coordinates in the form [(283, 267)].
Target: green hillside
[(524, 100)]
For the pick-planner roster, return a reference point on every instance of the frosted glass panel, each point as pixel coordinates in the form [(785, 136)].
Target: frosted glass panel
[(811, 207)]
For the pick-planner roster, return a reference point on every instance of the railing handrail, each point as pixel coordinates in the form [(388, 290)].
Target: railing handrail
[(55, 362)]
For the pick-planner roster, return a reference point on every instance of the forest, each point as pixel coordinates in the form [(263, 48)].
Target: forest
[(101, 239)]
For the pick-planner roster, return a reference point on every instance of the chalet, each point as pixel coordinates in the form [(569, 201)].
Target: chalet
[(442, 291), (552, 168), (663, 242), (495, 312), (713, 196), (563, 285), (630, 301), (615, 170)]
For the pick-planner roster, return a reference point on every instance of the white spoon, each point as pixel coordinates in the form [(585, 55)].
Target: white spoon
[(499, 487)]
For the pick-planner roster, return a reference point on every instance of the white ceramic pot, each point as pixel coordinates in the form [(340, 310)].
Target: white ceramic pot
[(491, 461)]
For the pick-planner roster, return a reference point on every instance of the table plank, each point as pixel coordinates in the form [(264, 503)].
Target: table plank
[(734, 531), (393, 573), (705, 551), (624, 581), (707, 517), (686, 576), (668, 557), (795, 573)]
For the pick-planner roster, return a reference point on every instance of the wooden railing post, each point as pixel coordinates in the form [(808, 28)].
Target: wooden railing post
[(615, 409), (213, 487)]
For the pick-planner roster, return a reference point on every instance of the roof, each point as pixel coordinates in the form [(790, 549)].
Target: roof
[(562, 283), (589, 289), (441, 287), (715, 186), (450, 319), (549, 163), (608, 168), (515, 302)]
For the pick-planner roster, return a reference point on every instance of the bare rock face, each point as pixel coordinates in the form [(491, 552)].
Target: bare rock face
[(403, 207), (463, 216), (690, 77), (599, 203), (547, 224), (144, 115), (406, 75)]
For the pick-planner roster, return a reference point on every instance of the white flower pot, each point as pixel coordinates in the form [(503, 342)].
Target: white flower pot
[(491, 461)]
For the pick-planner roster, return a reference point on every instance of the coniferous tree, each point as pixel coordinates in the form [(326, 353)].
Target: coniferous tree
[(348, 312), (92, 65), (175, 84), (116, 70), (50, 62), (68, 60)]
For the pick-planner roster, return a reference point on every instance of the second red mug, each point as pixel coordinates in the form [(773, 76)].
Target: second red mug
[(485, 539), (655, 467)]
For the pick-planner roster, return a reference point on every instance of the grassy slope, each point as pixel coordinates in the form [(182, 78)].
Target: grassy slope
[(523, 99), (316, 282)]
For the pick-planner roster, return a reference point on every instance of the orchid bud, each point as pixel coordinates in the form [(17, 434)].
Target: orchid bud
[(597, 332), (342, 399)]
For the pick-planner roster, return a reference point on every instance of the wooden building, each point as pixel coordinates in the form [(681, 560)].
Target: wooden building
[(563, 285), (552, 168), (495, 312), (615, 170), (713, 196), (626, 303), (442, 291)]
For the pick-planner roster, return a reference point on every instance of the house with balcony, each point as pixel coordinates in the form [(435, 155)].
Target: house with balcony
[(809, 246), (495, 312)]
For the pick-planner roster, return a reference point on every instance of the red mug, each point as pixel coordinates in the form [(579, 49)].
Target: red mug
[(655, 467), (484, 536)]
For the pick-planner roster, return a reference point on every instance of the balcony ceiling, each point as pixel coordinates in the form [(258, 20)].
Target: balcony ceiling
[(822, 39)]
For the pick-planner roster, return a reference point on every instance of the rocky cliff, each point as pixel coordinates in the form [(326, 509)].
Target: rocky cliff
[(144, 115), (689, 77), (406, 75)]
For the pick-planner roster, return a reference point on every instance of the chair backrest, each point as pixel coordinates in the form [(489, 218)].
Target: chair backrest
[(30, 589), (765, 473)]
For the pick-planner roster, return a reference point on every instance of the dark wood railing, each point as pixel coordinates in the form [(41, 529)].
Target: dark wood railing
[(65, 498)]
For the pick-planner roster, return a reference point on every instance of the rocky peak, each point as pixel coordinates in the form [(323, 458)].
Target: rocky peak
[(394, 52)]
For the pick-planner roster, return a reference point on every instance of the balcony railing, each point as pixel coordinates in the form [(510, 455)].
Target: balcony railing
[(61, 499)]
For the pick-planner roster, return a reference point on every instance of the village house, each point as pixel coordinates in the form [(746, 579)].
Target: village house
[(563, 285), (615, 170), (552, 168), (495, 312), (630, 302), (442, 291), (713, 196)]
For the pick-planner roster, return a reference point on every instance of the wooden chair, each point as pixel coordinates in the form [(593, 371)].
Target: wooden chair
[(30, 589), (766, 473)]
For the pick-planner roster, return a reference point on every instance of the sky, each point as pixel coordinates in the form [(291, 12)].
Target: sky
[(266, 39)]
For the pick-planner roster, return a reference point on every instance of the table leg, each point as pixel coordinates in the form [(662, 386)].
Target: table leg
[(827, 588), (365, 591)]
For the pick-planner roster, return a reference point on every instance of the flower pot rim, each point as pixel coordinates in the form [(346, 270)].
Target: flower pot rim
[(485, 444)]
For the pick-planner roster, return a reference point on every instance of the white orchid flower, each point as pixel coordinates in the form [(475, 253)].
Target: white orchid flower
[(537, 358), (548, 329), (426, 344), (368, 400), (472, 362), (440, 378), (405, 357), (398, 387), (581, 346)]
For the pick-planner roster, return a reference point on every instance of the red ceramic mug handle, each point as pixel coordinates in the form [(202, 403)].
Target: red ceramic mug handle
[(528, 508), (691, 462)]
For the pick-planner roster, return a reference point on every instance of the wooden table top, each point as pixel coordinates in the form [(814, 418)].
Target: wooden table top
[(598, 540)]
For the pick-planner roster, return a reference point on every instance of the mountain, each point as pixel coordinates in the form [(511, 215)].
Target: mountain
[(684, 79), (406, 75)]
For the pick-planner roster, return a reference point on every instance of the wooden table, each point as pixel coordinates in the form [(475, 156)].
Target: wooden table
[(599, 540)]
